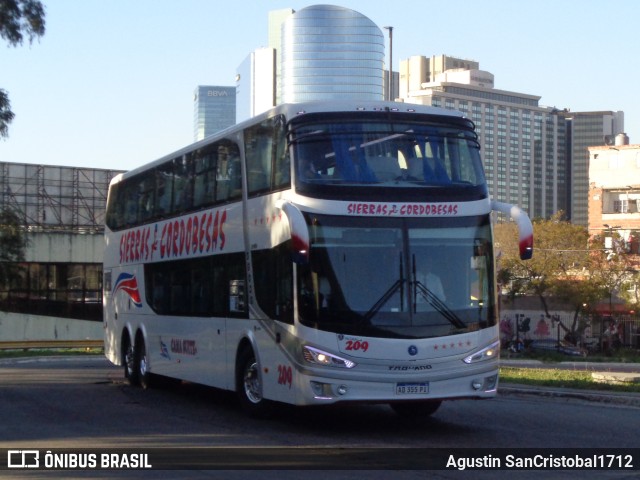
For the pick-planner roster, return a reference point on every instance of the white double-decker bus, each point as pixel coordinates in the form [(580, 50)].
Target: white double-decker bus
[(317, 253)]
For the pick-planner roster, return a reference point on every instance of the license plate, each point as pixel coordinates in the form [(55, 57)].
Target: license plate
[(412, 388)]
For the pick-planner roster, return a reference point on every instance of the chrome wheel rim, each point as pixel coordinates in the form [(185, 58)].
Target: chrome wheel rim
[(129, 360), (251, 382), (143, 364)]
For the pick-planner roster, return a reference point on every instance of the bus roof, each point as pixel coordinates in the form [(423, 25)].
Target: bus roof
[(291, 110)]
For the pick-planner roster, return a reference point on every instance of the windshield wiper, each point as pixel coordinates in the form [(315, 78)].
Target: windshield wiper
[(439, 305), (383, 299), (433, 300), (387, 295)]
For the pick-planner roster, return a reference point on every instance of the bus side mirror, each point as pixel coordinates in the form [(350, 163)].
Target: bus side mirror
[(525, 228), (299, 232)]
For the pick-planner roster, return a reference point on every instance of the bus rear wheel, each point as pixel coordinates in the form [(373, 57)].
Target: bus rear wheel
[(129, 362), (416, 409), (142, 364), (249, 385)]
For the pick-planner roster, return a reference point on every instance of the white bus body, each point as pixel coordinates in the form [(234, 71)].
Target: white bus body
[(292, 258)]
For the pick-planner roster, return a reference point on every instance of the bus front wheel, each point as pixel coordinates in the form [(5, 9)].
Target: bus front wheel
[(249, 384)]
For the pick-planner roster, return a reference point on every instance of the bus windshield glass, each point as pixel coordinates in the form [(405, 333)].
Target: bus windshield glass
[(404, 278), (371, 151)]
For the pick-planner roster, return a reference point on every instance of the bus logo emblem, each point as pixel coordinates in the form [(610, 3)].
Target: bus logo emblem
[(413, 350), (129, 285)]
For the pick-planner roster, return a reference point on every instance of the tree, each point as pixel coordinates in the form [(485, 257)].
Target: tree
[(580, 293), (18, 19), (12, 246), (560, 259), (610, 267), (560, 249)]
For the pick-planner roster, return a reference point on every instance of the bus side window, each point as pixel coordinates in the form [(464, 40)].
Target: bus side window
[(261, 146), (115, 209), (228, 172), (236, 296), (180, 293), (146, 194), (164, 190), (282, 161), (211, 286), (204, 179), (273, 281), (235, 176), (234, 266), (131, 204), (183, 184)]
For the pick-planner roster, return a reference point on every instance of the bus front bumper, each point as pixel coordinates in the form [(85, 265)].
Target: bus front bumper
[(316, 390)]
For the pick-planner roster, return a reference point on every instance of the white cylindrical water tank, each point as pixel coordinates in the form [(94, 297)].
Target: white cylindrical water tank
[(622, 139)]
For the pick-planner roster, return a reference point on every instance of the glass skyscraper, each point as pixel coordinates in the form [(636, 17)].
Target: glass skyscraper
[(331, 53), (214, 109)]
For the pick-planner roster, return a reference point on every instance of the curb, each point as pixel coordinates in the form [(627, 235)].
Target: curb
[(615, 398), (585, 366)]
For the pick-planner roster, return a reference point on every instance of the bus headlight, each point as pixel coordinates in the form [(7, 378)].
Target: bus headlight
[(314, 355), (488, 353)]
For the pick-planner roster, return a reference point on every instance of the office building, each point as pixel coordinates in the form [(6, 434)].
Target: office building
[(523, 143), (331, 53), (321, 52), (614, 191), (256, 83), (276, 20), (214, 109), (586, 129), (395, 87), (418, 69)]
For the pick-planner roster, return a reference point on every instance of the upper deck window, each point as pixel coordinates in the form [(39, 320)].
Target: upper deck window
[(359, 151)]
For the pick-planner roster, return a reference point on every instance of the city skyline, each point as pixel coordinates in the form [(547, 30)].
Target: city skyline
[(111, 85)]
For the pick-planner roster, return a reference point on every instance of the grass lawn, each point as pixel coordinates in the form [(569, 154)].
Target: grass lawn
[(552, 377), (567, 378)]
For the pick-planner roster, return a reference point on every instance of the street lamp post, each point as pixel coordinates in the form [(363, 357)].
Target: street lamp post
[(390, 81)]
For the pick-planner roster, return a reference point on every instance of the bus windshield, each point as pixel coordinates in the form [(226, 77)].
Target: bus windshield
[(404, 278), (371, 151)]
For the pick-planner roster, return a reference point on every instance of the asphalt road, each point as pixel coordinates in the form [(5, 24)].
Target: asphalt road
[(83, 402)]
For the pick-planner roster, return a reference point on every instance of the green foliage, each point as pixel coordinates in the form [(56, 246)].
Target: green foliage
[(6, 115), (18, 19), (560, 250), (566, 265), (559, 378)]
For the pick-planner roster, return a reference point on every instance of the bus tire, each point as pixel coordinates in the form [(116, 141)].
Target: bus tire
[(129, 361), (249, 384), (416, 409), (142, 364)]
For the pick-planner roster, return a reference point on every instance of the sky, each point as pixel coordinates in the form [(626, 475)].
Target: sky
[(110, 84)]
